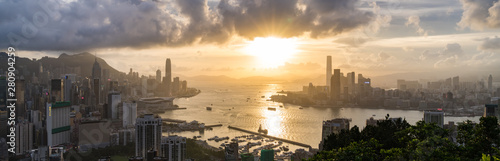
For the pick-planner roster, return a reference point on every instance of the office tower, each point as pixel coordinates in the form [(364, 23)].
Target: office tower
[(364, 85), (20, 91), (231, 151), (434, 117), (335, 85), (24, 137), (175, 85), (129, 114), (333, 126), (328, 70), (113, 85), (184, 86), (96, 77), (168, 76), (96, 70), (158, 76), (456, 83), (491, 110), (126, 136), (448, 82), (58, 124), (114, 98), (173, 148), (351, 82), (267, 155), (56, 90), (147, 134), (490, 82), (68, 84), (96, 86)]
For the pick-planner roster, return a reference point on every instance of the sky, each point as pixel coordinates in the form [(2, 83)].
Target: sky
[(241, 38)]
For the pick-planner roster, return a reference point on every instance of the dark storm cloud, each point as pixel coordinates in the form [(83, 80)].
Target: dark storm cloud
[(88, 24)]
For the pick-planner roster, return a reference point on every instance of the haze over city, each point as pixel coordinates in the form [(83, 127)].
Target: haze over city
[(267, 38)]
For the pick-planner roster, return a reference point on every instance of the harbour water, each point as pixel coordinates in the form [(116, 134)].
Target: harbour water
[(245, 105)]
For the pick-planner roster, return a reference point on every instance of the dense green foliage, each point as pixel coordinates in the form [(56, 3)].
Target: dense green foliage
[(198, 152), (398, 140)]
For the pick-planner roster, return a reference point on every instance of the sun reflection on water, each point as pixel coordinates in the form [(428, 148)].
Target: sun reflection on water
[(272, 119)]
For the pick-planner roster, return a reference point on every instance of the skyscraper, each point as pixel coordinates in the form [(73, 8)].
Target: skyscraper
[(328, 70), (114, 98), (58, 123), (147, 134), (490, 82), (335, 85), (351, 82), (168, 76), (96, 77), (96, 70), (456, 83), (173, 148), (158, 76)]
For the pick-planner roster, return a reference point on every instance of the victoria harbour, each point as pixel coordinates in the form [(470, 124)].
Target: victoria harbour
[(288, 121)]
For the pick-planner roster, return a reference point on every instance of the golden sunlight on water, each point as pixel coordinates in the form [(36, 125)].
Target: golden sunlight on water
[(272, 121), (272, 114)]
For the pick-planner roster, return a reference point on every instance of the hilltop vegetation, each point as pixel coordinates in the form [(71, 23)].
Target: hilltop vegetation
[(398, 140)]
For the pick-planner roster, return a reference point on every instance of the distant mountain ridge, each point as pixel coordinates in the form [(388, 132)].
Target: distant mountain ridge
[(84, 61)]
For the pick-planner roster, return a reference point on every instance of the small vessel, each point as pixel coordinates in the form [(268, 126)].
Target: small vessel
[(301, 108), (209, 108), (271, 108), (285, 148), (281, 106), (262, 96), (264, 131)]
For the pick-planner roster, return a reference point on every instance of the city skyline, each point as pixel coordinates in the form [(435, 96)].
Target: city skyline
[(184, 80), (389, 36)]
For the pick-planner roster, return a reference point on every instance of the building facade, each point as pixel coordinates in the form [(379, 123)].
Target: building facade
[(58, 123), (173, 148), (147, 134)]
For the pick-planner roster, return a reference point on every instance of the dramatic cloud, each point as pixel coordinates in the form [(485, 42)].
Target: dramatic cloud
[(480, 14), (490, 44), (415, 22), (352, 41), (445, 58), (451, 50), (88, 24)]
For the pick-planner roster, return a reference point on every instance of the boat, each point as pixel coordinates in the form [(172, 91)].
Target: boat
[(209, 108), (285, 148), (301, 108), (281, 106), (262, 96), (271, 108), (264, 131)]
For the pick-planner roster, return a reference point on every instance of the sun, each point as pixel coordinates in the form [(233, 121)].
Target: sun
[(271, 52)]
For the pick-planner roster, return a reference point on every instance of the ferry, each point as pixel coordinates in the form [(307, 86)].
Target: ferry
[(264, 131)]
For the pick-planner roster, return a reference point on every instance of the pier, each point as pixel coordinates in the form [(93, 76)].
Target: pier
[(272, 137), (210, 126), (173, 120)]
